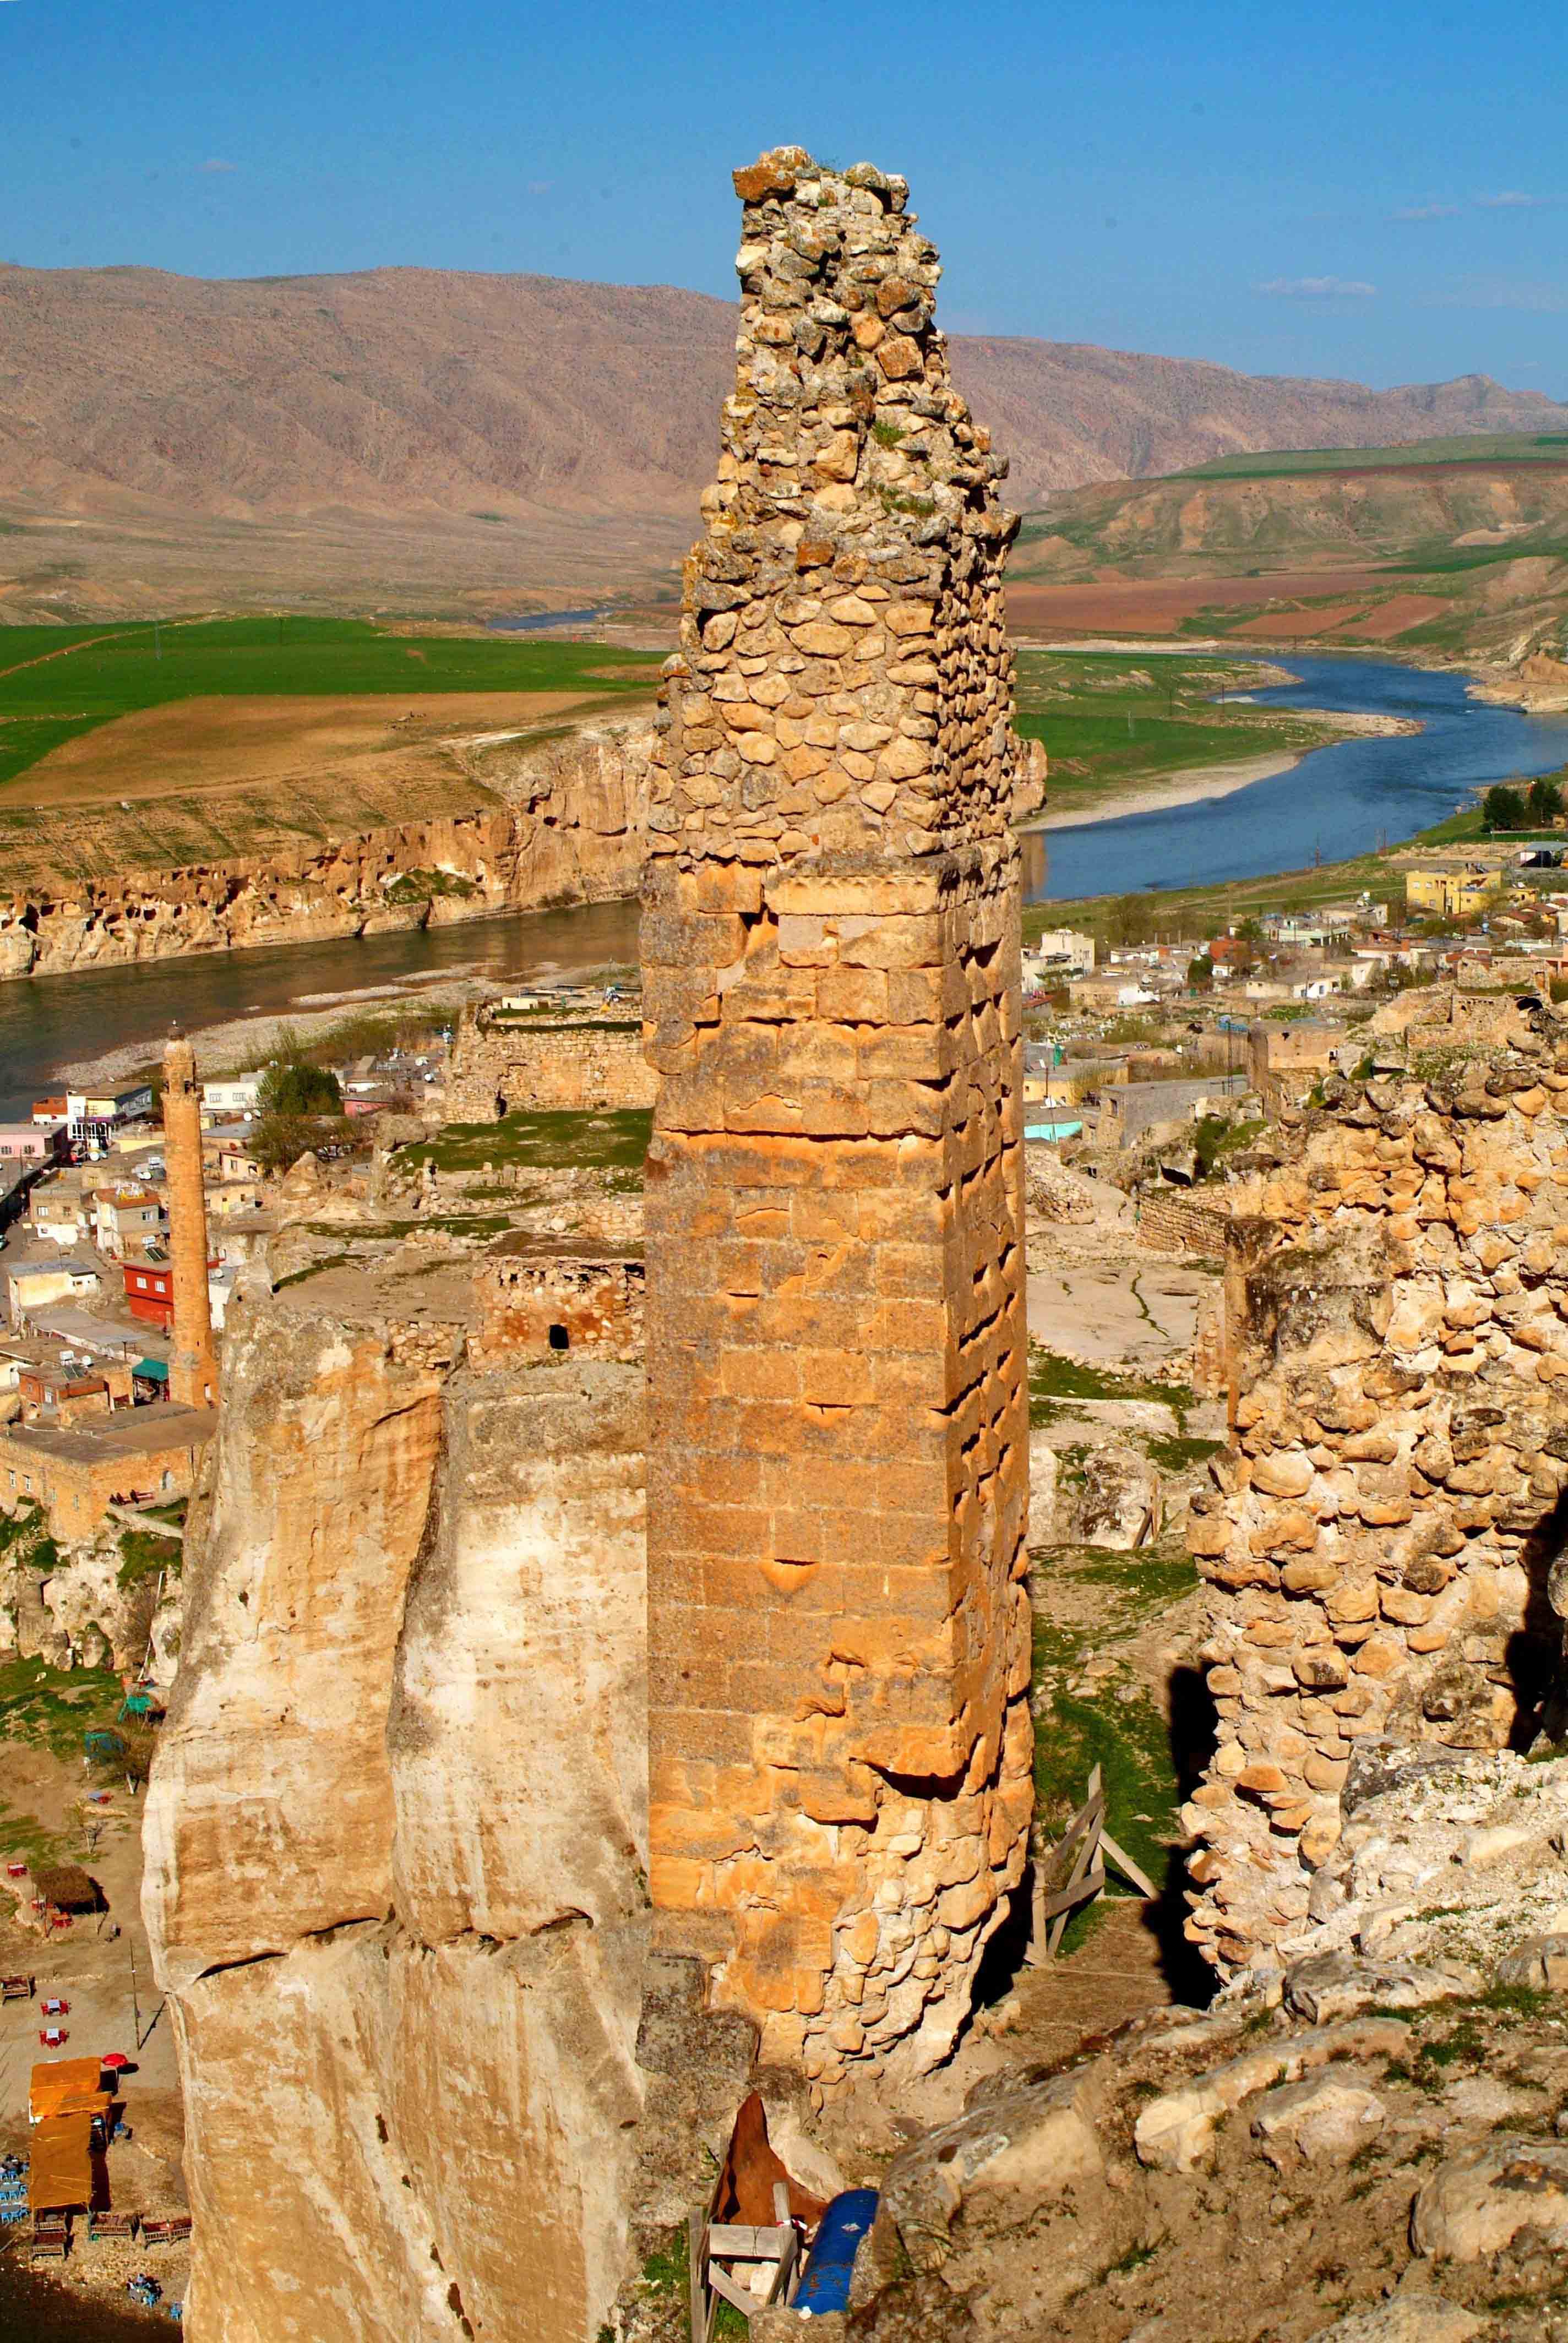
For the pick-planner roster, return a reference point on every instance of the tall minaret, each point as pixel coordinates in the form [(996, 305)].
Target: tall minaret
[(193, 1369)]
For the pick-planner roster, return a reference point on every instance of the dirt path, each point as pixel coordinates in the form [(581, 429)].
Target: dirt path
[(64, 652)]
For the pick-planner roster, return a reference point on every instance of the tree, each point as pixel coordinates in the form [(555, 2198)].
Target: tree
[(1504, 807), (1200, 974), (1544, 801), (1130, 919), (293, 1086)]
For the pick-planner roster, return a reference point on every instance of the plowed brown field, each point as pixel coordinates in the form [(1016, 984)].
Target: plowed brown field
[(1147, 606), (196, 746)]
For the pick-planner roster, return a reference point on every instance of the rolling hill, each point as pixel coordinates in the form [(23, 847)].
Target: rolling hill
[(448, 438)]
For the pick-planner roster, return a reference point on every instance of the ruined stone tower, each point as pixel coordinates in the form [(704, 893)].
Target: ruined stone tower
[(838, 1472), (193, 1367)]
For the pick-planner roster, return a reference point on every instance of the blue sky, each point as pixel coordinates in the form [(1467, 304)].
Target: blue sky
[(1377, 190)]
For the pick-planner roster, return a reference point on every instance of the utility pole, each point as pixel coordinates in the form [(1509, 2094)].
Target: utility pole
[(158, 641), (135, 2005)]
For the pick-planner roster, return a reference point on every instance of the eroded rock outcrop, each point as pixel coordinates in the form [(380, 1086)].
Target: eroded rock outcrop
[(561, 824), (394, 1839)]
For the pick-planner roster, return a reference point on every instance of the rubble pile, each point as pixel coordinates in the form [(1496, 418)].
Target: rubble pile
[(1374, 2133)]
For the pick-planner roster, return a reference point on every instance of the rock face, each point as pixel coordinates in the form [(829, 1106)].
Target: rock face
[(560, 825), (840, 1639), (395, 1836), (1382, 1534)]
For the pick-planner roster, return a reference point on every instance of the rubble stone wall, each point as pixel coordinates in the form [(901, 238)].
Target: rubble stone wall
[(499, 1067), (839, 1640), (1382, 1533)]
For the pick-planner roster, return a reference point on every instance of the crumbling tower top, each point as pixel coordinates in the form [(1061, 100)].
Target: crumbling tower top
[(854, 547)]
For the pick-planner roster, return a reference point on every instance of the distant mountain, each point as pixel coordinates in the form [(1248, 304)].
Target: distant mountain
[(403, 392)]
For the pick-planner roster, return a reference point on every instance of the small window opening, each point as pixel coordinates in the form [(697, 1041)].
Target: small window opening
[(560, 1339)]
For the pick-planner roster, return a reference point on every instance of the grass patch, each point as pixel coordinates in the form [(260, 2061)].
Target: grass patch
[(1108, 719), (143, 1554), (24, 1839), (1053, 1379), (1129, 1742), (57, 682), (1485, 448), (615, 1141), (24, 1540), (55, 1706), (1175, 1455), (314, 1269)]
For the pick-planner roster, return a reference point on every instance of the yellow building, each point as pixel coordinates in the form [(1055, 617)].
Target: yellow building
[(1454, 891)]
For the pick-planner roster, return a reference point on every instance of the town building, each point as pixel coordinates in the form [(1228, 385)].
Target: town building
[(1453, 892), (32, 1364), (239, 1095), (58, 1215), (1056, 955), (236, 1161), (31, 1284), (1130, 1112), (150, 1290), (32, 1145), (137, 1455), (92, 1117), (124, 1219)]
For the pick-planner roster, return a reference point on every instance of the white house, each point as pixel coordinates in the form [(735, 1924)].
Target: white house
[(240, 1096)]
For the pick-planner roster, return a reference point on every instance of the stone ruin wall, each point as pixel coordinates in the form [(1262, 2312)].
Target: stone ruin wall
[(840, 1632), (564, 826), (497, 1069), (1381, 1534)]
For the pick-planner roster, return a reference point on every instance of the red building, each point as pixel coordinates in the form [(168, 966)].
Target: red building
[(150, 1291)]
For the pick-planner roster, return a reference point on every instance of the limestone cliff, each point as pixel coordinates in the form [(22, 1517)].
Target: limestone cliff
[(554, 825), (396, 1834)]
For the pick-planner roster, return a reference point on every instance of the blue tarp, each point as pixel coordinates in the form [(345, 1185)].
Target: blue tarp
[(156, 1370), (1052, 1130)]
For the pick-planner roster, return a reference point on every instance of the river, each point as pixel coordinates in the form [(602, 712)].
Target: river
[(50, 1022), (1338, 802)]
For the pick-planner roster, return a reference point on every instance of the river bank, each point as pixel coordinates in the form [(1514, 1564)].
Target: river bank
[(1218, 780), (102, 1024), (1413, 744)]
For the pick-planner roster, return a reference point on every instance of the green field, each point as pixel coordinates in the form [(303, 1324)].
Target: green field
[(1468, 448), (1109, 719), (58, 682)]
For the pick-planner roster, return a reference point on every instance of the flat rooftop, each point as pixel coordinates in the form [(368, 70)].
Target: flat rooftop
[(133, 1431)]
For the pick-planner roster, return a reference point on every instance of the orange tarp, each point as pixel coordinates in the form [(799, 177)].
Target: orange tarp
[(66, 2086), (60, 2164)]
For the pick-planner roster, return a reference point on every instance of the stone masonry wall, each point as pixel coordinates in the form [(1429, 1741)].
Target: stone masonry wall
[(1382, 1531), (840, 1643), (1175, 1223), (499, 1067)]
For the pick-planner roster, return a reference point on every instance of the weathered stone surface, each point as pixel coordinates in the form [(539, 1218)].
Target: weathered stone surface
[(1407, 2318), (569, 828), (1327, 2120), (1395, 1473), (1475, 2204), (396, 1835), (840, 1739)]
